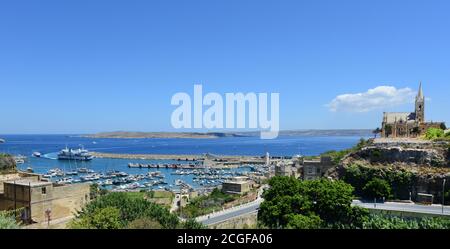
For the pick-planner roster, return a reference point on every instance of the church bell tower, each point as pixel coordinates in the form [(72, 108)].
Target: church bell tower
[(420, 105)]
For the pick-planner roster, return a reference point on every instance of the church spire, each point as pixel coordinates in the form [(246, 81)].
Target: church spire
[(420, 93)]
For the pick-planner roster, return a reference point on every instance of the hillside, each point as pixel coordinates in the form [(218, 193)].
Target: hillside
[(409, 166)]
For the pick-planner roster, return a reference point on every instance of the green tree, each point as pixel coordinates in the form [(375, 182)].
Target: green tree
[(298, 221), (107, 218), (104, 218), (326, 199), (192, 224), (377, 188), (145, 223), (131, 207)]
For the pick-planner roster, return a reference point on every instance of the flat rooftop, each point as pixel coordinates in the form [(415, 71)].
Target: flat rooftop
[(25, 182)]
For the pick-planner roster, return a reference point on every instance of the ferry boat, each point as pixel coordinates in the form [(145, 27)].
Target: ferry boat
[(75, 154)]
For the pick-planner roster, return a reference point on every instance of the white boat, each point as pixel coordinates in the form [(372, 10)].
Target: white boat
[(85, 170), (19, 159), (107, 182), (67, 180), (55, 172), (90, 177), (2, 141), (37, 154)]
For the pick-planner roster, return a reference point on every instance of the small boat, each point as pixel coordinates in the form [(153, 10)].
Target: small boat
[(122, 174), (37, 154), (119, 181), (2, 141), (107, 182), (82, 170), (67, 180), (54, 171), (30, 170), (71, 173), (90, 177), (19, 159), (85, 170)]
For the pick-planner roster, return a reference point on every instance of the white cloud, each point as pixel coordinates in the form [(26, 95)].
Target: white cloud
[(376, 98)]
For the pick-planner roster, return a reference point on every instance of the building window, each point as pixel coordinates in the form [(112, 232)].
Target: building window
[(44, 190)]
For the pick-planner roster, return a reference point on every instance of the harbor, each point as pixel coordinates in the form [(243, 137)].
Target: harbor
[(136, 164), (80, 166)]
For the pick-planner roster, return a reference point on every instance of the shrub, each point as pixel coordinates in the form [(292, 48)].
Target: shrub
[(7, 221), (104, 218), (377, 188), (433, 133), (131, 207), (144, 223)]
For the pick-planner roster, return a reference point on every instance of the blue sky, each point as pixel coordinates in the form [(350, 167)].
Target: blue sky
[(89, 66)]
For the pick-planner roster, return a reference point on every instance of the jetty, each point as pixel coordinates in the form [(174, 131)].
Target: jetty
[(166, 166)]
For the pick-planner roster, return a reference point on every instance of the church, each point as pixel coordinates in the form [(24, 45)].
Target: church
[(408, 124)]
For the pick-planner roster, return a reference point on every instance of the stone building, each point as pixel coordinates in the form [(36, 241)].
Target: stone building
[(286, 168), (314, 168), (408, 124), (237, 185), (37, 199)]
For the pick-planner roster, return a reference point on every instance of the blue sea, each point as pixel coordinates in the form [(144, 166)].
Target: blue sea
[(49, 145)]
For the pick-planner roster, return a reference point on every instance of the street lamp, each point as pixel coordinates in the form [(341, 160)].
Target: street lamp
[(443, 194)]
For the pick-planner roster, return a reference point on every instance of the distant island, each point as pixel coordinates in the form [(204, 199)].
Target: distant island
[(129, 134)]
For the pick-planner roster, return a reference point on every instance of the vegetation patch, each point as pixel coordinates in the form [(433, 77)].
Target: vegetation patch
[(7, 163), (319, 204), (121, 209), (371, 182), (207, 204), (291, 203), (160, 197)]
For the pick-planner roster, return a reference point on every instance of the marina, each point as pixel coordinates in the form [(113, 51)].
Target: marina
[(134, 164), (123, 175)]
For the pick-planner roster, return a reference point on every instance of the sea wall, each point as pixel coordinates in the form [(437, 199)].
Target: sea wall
[(240, 222)]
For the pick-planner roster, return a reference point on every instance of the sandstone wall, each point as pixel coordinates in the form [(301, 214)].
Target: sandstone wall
[(240, 222)]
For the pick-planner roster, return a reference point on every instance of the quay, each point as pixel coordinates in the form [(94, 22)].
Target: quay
[(166, 166)]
